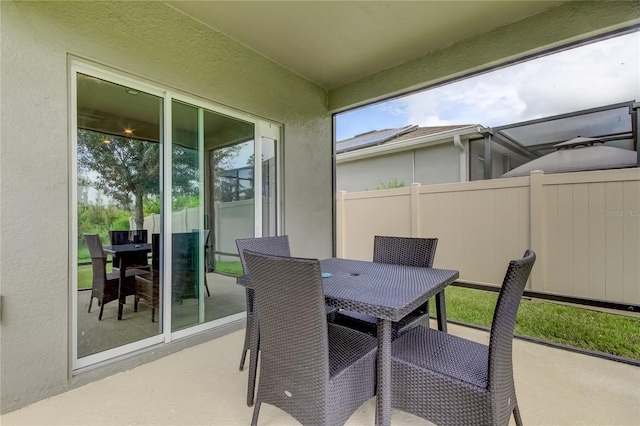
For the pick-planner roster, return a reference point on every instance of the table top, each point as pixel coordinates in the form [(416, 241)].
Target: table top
[(127, 248), (379, 289)]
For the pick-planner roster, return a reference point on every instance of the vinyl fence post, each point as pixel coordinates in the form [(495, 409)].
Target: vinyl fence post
[(340, 237), (537, 279), (415, 210)]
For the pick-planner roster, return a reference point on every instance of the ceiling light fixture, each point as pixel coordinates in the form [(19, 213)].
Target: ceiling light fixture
[(106, 141), (131, 91), (128, 131)]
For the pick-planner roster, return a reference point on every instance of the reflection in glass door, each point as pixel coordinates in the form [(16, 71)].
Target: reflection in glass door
[(212, 205), (146, 164), (118, 139)]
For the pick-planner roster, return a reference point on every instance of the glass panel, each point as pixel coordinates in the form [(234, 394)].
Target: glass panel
[(230, 154), (213, 204), (269, 188), (119, 144), (187, 268), (595, 124)]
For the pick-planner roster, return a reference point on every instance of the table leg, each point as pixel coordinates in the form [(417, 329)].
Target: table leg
[(441, 312), (121, 294), (383, 401)]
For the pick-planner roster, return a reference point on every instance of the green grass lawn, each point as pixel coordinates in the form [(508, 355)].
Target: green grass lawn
[(229, 268), (568, 325), (85, 274)]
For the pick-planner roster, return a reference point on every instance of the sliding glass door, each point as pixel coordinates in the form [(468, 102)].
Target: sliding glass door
[(212, 205), (119, 145), (164, 185)]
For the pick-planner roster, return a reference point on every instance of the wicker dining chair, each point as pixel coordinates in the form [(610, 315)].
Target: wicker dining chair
[(407, 252), (105, 287), (318, 372), (148, 285), (453, 381), (206, 258), (276, 246)]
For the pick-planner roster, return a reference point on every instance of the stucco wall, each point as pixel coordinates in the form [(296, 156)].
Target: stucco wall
[(571, 21), (147, 39)]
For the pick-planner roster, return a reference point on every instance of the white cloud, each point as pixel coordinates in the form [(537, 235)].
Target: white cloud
[(594, 75)]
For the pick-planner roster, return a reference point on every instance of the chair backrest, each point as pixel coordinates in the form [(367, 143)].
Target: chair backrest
[(155, 252), (293, 323), (118, 238), (206, 235), (139, 236), (98, 258), (185, 255), (404, 250), (502, 327), (95, 246), (277, 246)]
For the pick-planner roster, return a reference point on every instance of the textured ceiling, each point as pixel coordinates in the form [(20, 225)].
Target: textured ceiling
[(335, 42)]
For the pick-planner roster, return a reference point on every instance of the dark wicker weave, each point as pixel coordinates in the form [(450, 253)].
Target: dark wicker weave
[(278, 246), (453, 381), (317, 372), (407, 252), (106, 287), (148, 285)]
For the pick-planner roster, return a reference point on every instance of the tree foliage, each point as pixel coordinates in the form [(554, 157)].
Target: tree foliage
[(128, 172), (393, 183), (125, 169)]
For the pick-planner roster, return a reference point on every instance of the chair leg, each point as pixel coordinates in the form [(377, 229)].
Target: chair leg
[(247, 340), (516, 416), (206, 286), (441, 311), (256, 411), (101, 309), (253, 363), (90, 302), (153, 314), (135, 304)]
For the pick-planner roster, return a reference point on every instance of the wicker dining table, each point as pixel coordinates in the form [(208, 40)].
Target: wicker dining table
[(126, 253), (385, 291)]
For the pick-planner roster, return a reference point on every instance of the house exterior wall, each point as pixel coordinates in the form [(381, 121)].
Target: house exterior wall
[(438, 164), (368, 173), (433, 164), (570, 21), (153, 41)]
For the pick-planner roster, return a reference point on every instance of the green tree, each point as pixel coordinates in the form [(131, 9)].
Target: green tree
[(127, 169)]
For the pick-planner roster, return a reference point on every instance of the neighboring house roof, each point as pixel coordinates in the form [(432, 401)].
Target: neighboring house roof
[(578, 155), (378, 137), (387, 141)]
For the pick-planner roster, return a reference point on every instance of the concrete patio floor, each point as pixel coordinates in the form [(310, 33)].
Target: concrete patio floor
[(202, 386)]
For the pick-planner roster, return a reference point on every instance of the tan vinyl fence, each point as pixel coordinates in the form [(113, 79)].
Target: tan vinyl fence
[(584, 228), (233, 220)]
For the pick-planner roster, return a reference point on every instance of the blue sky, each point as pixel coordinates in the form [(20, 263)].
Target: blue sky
[(585, 77)]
